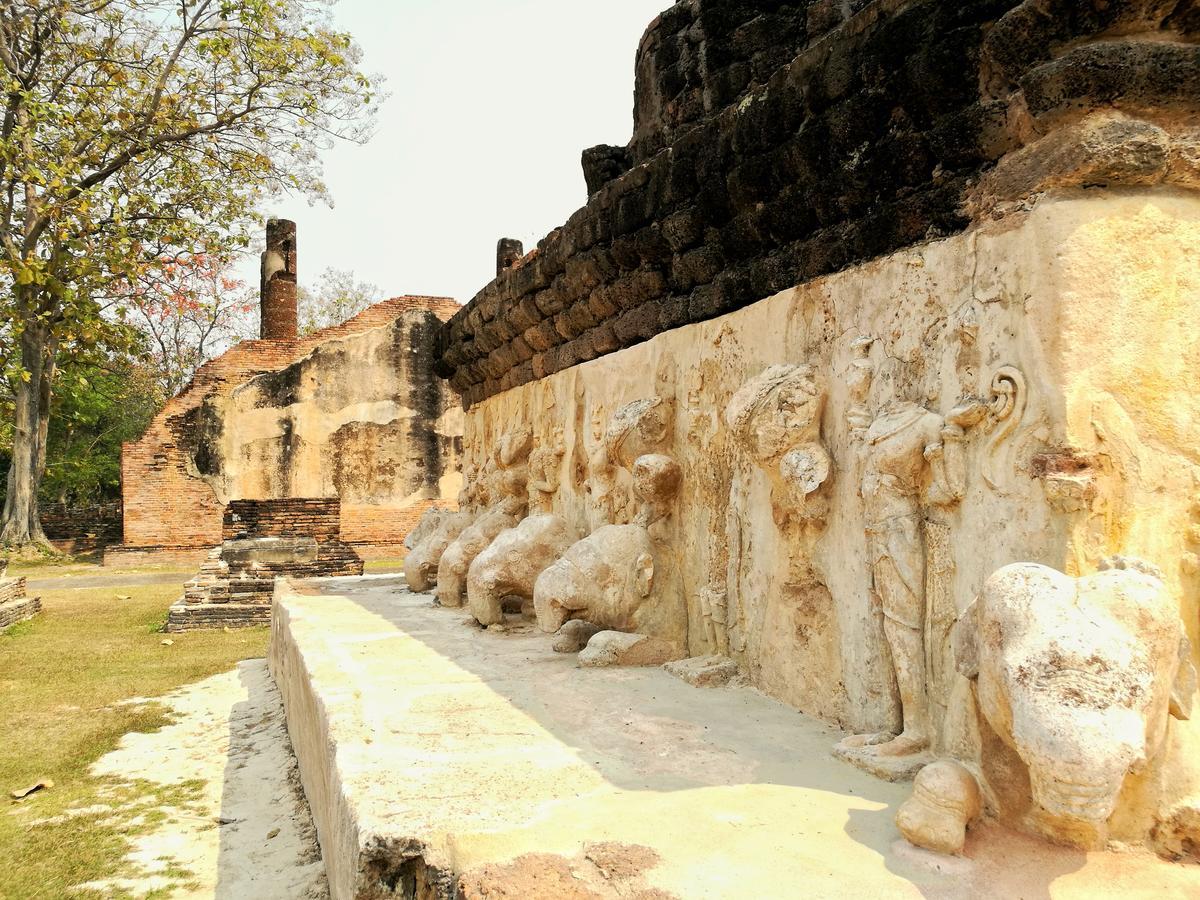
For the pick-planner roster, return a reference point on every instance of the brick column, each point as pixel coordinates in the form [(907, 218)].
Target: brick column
[(278, 285)]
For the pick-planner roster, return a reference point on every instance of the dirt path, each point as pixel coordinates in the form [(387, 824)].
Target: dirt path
[(244, 830), (114, 579)]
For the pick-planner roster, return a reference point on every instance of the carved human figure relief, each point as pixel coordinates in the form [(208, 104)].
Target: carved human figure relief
[(601, 476), (545, 463), (637, 429), (1078, 677), (912, 460), (776, 419)]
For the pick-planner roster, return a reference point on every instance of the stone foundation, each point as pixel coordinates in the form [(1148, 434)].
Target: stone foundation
[(14, 605), (457, 763), (208, 616)]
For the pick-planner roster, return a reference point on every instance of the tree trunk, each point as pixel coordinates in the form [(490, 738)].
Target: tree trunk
[(21, 525)]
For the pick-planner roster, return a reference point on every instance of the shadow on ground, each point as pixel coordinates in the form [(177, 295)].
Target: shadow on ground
[(727, 774)]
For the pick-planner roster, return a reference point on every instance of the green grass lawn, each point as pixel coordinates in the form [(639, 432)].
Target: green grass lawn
[(383, 566), (62, 677)]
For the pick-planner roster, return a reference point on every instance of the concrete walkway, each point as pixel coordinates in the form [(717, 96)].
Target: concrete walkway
[(436, 756)]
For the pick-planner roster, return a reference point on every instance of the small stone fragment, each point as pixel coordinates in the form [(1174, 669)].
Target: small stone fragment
[(1177, 834), (42, 785), (615, 648), (704, 671), (945, 800), (574, 636)]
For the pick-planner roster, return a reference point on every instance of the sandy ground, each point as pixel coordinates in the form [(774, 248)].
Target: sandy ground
[(249, 835), (521, 775)]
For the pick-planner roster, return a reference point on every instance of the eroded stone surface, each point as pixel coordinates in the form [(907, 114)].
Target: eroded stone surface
[(945, 801), (615, 648), (857, 455), (704, 671), (1079, 678)]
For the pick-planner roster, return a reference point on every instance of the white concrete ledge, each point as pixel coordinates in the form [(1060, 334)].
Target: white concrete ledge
[(443, 761)]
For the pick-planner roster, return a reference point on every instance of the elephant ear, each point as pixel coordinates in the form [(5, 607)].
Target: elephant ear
[(644, 574), (964, 641), (1185, 682)]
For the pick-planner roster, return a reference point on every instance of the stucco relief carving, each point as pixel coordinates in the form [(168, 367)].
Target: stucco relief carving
[(421, 563), (613, 577), (511, 563), (600, 481), (505, 479), (1009, 399), (776, 419), (944, 803), (620, 576), (430, 520), (545, 467), (774, 422), (1078, 677), (912, 463)]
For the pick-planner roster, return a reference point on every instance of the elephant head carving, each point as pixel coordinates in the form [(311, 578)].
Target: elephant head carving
[(1078, 676)]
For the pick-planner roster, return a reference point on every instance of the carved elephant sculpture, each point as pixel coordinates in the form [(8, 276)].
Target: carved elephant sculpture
[(512, 562), (1078, 677), (430, 520), (609, 579), (421, 563), (453, 566)]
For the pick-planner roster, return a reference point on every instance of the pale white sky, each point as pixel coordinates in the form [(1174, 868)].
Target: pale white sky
[(491, 103)]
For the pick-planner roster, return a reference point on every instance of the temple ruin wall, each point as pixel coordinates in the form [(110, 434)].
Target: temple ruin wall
[(1087, 298), (177, 477)]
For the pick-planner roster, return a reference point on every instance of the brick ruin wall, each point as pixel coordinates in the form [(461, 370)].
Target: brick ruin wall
[(315, 518), (82, 529), (11, 589), (170, 511), (15, 606), (777, 142)]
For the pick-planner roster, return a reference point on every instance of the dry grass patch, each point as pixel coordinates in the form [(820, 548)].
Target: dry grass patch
[(65, 678)]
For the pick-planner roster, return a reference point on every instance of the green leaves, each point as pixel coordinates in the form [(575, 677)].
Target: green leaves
[(135, 129)]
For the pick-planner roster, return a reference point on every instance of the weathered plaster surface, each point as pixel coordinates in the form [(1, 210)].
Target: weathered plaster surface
[(1071, 328), (360, 418)]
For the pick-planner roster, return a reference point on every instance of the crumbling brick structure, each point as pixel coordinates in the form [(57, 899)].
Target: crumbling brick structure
[(263, 540), (177, 478), (277, 287), (777, 142), (15, 606)]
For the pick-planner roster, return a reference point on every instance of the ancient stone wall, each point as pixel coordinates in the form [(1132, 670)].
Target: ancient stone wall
[(777, 142), (82, 529), (871, 366), (1017, 393), (175, 481)]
